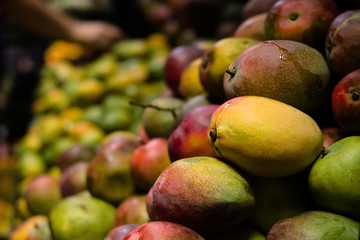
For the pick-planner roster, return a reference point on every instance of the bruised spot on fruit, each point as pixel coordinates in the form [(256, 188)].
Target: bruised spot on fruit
[(293, 16), (83, 207), (213, 134)]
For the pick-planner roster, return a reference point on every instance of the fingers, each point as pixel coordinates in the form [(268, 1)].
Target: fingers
[(96, 34)]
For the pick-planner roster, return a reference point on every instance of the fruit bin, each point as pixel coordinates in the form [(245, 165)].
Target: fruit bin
[(250, 136)]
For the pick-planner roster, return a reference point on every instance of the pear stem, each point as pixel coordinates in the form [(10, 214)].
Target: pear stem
[(172, 110)]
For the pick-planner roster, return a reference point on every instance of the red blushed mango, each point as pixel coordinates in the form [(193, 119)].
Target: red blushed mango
[(73, 179), (306, 21), (162, 230), (284, 70), (147, 162), (345, 102), (189, 139), (342, 43), (132, 211), (42, 194), (202, 193)]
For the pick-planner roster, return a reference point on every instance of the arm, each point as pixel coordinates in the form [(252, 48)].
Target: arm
[(40, 18)]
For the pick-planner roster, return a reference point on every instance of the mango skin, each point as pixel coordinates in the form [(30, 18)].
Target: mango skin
[(264, 137), (162, 230), (81, 217), (189, 139), (202, 193), (284, 70), (334, 179), (315, 225), (343, 56), (302, 21)]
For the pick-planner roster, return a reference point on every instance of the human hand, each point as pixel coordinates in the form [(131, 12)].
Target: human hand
[(95, 34)]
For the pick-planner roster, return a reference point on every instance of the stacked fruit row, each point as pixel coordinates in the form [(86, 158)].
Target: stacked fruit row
[(255, 137)]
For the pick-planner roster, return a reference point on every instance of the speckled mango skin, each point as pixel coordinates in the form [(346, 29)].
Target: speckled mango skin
[(202, 193), (284, 70), (264, 137), (314, 225)]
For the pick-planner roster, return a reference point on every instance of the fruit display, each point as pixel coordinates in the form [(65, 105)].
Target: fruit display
[(253, 136)]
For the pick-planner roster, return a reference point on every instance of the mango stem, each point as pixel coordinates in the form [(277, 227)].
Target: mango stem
[(231, 71), (172, 110)]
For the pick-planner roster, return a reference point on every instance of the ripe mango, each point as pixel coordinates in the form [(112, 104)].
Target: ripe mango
[(264, 137), (284, 70), (202, 193)]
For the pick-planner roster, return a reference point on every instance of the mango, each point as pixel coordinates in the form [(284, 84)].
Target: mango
[(73, 179), (278, 198), (81, 217), (42, 194), (285, 70), (202, 193), (189, 139), (148, 161), (314, 225), (190, 83), (334, 179), (264, 137), (119, 232), (132, 211), (343, 56), (215, 61), (29, 226), (162, 230), (159, 118), (108, 175)]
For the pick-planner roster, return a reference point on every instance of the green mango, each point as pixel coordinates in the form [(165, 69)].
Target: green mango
[(315, 225), (334, 179)]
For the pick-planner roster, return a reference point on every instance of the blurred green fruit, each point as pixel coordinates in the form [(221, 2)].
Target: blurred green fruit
[(81, 217), (334, 179), (31, 163), (130, 48), (159, 120)]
